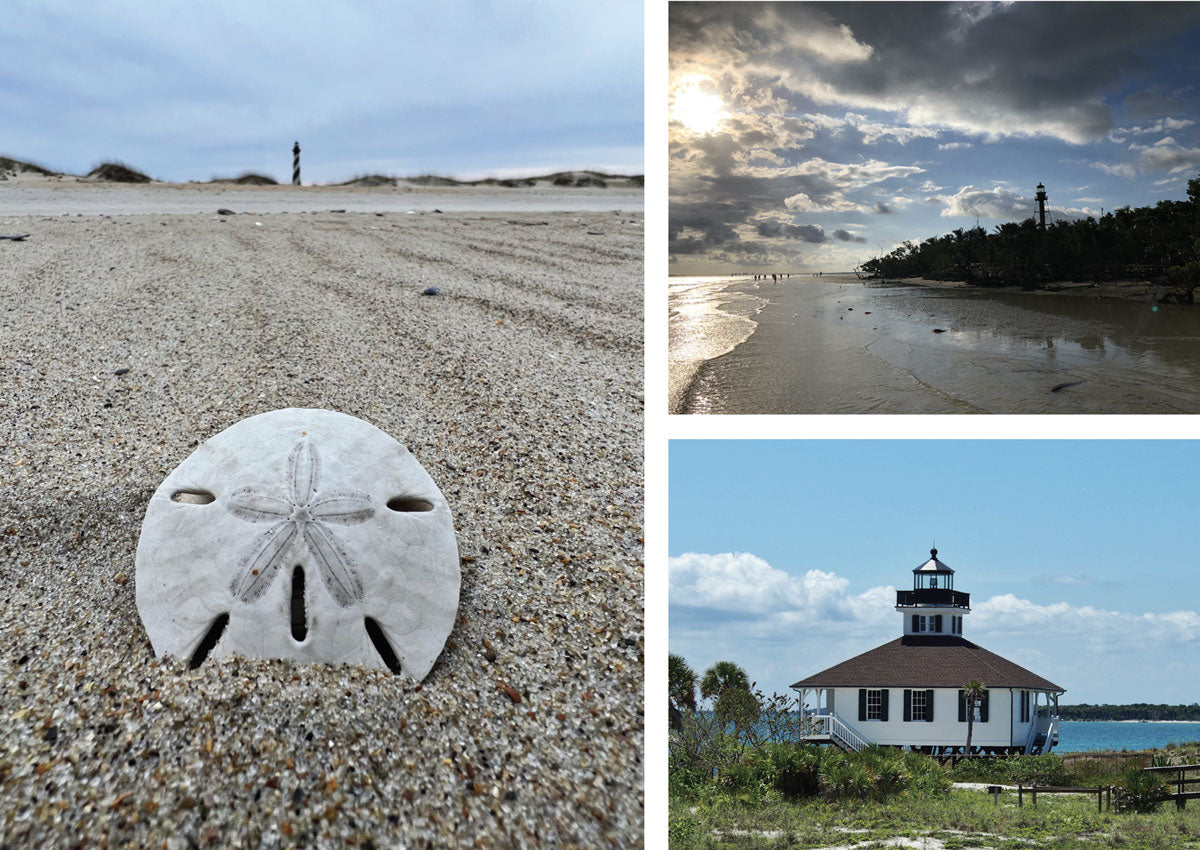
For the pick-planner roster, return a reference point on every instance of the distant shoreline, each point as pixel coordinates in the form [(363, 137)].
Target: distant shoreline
[(1128, 290)]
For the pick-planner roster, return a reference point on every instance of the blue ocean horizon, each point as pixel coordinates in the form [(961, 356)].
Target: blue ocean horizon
[(1081, 736)]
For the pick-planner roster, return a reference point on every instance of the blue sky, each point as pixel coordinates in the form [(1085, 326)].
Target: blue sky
[(815, 136), (188, 90), (1079, 556)]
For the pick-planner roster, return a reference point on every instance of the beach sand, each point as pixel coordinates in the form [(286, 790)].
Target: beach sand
[(518, 387)]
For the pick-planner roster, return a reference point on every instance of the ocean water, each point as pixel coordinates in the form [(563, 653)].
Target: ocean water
[(1078, 736), (838, 345)]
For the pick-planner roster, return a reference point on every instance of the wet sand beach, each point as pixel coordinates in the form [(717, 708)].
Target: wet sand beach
[(837, 345), (519, 389)]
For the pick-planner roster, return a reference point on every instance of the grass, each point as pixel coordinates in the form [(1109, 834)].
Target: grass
[(959, 818), (371, 180), (117, 172), (8, 163)]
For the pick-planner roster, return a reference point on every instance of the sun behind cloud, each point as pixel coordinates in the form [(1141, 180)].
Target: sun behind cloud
[(699, 110)]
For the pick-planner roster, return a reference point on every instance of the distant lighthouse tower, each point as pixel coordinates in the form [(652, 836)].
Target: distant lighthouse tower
[(296, 165), (1041, 202)]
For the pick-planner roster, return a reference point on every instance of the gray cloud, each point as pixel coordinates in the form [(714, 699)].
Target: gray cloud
[(847, 236), (882, 208), (773, 229)]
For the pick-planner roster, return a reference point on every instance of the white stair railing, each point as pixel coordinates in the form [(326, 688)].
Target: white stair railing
[(1031, 737), (844, 735)]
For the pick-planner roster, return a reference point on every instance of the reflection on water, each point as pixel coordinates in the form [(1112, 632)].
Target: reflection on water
[(708, 317), (838, 346)]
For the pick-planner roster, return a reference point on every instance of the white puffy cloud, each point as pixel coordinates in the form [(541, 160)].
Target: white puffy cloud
[(742, 583), (872, 132), (1169, 156), (1160, 126), (954, 146), (1165, 155), (997, 202)]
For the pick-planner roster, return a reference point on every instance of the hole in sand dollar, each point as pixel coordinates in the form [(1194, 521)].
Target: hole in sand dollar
[(409, 504), (193, 497), (382, 646), (209, 641), (299, 616)]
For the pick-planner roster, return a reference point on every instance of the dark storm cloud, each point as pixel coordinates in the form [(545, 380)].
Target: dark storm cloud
[(779, 230), (882, 208), (1021, 68), (847, 236), (1158, 103)]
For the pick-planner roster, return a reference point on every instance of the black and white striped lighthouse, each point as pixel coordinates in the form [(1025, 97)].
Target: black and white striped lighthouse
[(296, 164), (1040, 197)]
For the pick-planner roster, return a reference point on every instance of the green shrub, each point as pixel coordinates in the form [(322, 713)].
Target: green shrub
[(1143, 792), (1013, 770)]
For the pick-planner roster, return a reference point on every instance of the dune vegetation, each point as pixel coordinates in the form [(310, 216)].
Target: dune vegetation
[(117, 172)]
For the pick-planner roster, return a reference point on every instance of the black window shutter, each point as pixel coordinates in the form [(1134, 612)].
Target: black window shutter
[(862, 702), (983, 707), (914, 622), (907, 705), (962, 707), (937, 623), (929, 706), (883, 703)]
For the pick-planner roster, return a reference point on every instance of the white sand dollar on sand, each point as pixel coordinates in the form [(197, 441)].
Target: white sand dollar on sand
[(304, 534)]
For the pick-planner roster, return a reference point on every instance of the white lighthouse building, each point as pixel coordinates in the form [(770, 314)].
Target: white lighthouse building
[(910, 692)]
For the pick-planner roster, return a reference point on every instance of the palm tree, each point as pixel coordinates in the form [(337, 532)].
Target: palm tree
[(973, 693), (681, 688), (722, 676), (733, 701)]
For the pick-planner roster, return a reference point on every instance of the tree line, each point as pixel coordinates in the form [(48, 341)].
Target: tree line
[(1132, 711), (1159, 243)]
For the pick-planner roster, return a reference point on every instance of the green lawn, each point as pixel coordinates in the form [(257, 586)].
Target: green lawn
[(957, 819)]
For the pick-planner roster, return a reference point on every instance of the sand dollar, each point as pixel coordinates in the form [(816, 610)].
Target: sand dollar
[(304, 534)]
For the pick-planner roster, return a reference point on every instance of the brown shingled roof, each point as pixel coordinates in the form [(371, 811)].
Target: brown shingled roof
[(927, 661)]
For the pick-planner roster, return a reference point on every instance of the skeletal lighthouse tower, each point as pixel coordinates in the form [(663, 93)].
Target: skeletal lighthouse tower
[(1041, 202)]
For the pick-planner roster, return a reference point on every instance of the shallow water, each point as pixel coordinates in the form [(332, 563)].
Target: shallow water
[(836, 345)]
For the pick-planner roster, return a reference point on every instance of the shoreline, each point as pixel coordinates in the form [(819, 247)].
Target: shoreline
[(1128, 290)]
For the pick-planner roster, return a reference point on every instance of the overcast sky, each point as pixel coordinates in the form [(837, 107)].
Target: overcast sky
[(191, 90), (817, 135), (1079, 556)]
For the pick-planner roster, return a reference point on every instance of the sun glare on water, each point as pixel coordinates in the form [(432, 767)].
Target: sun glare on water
[(697, 109)]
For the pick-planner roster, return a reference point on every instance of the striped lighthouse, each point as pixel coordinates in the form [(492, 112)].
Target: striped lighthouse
[(296, 164)]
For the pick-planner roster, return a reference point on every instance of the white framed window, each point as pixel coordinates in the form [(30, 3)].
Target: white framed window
[(874, 705), (918, 705)]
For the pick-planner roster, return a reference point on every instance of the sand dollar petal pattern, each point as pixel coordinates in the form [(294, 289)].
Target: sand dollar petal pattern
[(304, 534)]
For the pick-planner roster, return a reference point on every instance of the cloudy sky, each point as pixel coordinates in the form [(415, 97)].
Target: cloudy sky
[(816, 135), (1079, 556), (189, 90)]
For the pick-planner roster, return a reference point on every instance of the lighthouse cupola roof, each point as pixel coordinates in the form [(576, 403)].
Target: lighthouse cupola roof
[(933, 565)]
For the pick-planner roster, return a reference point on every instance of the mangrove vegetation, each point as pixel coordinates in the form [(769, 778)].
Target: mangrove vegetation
[(1159, 244)]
